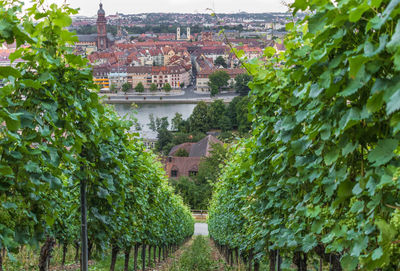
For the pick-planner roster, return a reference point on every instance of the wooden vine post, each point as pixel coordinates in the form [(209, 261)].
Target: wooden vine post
[(84, 236)]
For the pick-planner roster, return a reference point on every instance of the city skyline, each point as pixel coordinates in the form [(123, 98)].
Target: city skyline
[(89, 8)]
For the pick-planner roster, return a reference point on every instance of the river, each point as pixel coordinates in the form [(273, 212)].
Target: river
[(142, 111)]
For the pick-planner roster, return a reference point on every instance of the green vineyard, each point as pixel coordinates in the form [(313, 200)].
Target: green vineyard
[(316, 186), (63, 153)]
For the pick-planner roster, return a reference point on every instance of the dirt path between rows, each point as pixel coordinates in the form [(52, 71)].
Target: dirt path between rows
[(166, 265), (223, 265)]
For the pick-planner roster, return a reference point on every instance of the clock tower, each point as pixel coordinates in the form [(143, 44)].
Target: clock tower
[(102, 42)]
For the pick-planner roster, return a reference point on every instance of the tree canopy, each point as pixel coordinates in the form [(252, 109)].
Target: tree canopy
[(218, 80), (139, 87), (220, 61)]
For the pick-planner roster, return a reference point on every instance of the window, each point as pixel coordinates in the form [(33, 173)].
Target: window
[(192, 173), (174, 173)]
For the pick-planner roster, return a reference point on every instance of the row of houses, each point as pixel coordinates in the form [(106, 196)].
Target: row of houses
[(175, 76)]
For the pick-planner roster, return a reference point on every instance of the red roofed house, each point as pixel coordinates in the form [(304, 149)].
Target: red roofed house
[(176, 167)]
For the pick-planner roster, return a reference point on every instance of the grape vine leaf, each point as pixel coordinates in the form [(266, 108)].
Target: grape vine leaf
[(383, 152)]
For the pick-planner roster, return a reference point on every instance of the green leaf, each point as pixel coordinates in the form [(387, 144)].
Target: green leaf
[(358, 246), (9, 71), (299, 146), (316, 23), (394, 42), (309, 242), (357, 12), (63, 20), (331, 156), (370, 50), (357, 207), (377, 254), (32, 167), (357, 189), (383, 152), (380, 19), (315, 90), (12, 121), (5, 170), (349, 148), (394, 103), (375, 102), (355, 84), (349, 119), (345, 189), (349, 262), (387, 232), (269, 51), (9, 205)]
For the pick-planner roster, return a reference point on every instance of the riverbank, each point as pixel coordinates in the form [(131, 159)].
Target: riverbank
[(164, 101)]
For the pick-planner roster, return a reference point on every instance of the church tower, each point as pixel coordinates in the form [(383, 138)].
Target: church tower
[(178, 33), (188, 33), (101, 29)]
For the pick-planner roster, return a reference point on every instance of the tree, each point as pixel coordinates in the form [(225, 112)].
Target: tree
[(189, 191), (164, 140), (241, 84), (113, 88), (218, 80), (164, 136), (231, 112), (216, 111), (182, 153), (152, 124), (209, 170), (199, 119), (167, 87), (126, 87), (242, 115), (153, 87), (162, 123), (139, 87), (220, 61), (176, 121), (182, 85), (225, 123)]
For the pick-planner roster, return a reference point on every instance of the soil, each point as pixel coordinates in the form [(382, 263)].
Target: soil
[(217, 257), (69, 267), (166, 265)]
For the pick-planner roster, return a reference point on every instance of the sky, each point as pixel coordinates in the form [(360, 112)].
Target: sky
[(90, 7)]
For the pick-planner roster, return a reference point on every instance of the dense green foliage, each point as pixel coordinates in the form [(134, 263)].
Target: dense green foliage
[(241, 84), (217, 81), (167, 87), (55, 133), (204, 118), (153, 87), (139, 87), (126, 87), (182, 153), (319, 177), (220, 61)]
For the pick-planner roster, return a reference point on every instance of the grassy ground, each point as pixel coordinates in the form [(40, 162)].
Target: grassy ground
[(27, 260), (197, 257)]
